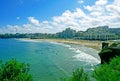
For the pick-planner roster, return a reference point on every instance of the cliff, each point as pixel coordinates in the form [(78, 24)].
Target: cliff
[(109, 51)]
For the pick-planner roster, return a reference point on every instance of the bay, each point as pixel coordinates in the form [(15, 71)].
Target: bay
[(49, 60)]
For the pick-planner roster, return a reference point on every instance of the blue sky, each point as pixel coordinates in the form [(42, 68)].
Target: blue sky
[(40, 9), (51, 16)]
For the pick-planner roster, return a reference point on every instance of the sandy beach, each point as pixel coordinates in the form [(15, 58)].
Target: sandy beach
[(93, 44)]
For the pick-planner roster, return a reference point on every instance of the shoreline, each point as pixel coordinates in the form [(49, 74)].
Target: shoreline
[(97, 45)]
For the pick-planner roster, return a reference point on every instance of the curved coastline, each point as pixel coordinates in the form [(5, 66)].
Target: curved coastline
[(92, 44), (79, 46), (82, 54)]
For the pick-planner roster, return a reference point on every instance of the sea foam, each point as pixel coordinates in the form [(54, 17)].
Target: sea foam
[(62, 44), (82, 56), (28, 40)]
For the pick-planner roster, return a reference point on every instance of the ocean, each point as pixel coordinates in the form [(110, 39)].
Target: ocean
[(49, 61)]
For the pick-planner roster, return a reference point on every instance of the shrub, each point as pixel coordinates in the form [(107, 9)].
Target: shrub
[(78, 75), (108, 72), (115, 45), (12, 70)]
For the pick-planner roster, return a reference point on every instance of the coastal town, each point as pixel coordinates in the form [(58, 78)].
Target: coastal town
[(101, 33)]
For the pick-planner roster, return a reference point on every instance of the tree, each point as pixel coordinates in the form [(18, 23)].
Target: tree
[(12, 70)]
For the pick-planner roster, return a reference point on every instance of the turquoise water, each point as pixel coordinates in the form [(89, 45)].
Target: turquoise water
[(49, 61)]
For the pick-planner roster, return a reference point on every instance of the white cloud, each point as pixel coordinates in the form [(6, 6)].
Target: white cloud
[(80, 1), (33, 21), (101, 13), (117, 2), (104, 13), (95, 14), (69, 19), (101, 2), (113, 8), (89, 8), (94, 8)]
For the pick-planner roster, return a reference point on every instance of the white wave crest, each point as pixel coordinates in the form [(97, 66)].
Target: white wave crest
[(81, 56), (28, 40), (62, 44)]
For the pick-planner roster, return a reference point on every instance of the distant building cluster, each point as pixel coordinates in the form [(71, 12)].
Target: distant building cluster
[(98, 37), (100, 33)]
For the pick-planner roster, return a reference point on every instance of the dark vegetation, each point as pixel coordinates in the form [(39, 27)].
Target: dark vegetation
[(12, 70), (109, 51), (108, 72), (78, 75)]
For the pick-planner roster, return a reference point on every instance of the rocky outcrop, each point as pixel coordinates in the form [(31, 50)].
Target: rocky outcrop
[(109, 52)]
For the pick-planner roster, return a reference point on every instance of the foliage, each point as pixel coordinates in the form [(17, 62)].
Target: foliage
[(110, 52), (115, 64), (115, 45), (30, 35), (105, 55), (108, 72), (78, 75), (105, 50), (12, 70)]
